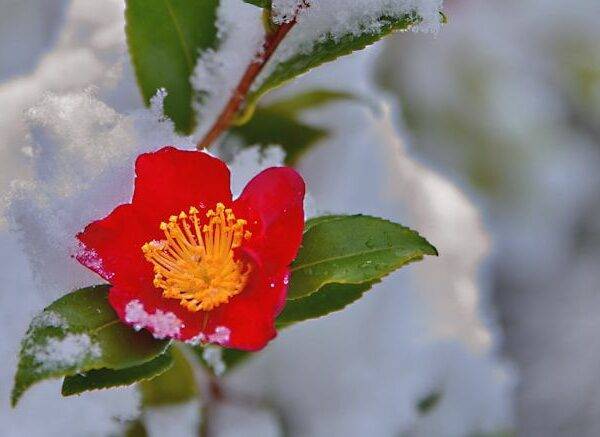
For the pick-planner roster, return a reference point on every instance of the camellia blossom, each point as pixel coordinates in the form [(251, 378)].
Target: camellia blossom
[(188, 262)]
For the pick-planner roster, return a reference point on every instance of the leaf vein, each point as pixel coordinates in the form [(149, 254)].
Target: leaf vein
[(341, 257), (179, 35)]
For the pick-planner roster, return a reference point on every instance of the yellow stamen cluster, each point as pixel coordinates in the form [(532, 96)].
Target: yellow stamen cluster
[(195, 263)]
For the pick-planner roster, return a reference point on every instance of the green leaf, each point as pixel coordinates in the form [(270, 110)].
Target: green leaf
[(269, 127), (260, 3), (109, 378), (312, 99), (136, 428), (176, 385), (429, 402), (278, 123), (352, 250), (320, 219), (330, 298), (165, 38), (325, 50), (233, 358), (78, 333)]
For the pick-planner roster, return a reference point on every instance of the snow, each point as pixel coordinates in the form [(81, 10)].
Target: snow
[(214, 358), (197, 340), (284, 11), (248, 162), (49, 319), (220, 336), (236, 420), (65, 352), (82, 167), (162, 324), (180, 420), (336, 18)]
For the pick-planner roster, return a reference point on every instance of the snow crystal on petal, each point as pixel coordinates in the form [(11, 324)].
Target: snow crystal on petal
[(92, 260), (220, 336), (162, 324), (198, 339)]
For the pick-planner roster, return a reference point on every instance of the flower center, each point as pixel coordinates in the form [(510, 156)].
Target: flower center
[(195, 263)]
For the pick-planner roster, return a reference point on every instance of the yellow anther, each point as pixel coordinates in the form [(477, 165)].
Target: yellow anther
[(195, 263)]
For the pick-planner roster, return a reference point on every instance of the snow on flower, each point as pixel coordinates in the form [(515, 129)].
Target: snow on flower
[(186, 261), (164, 324), (220, 336)]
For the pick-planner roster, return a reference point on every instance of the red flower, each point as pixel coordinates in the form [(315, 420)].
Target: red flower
[(185, 261)]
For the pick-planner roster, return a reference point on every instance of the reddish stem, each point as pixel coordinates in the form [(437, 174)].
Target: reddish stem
[(224, 120)]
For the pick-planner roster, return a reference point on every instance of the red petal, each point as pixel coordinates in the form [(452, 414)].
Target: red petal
[(272, 203), (170, 180), (112, 247), (247, 322)]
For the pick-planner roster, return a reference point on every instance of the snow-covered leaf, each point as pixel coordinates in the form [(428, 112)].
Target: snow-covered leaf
[(327, 49), (77, 333), (165, 38), (174, 386), (352, 250), (108, 378)]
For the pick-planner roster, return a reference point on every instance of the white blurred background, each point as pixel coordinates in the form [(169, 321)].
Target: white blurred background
[(504, 103)]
